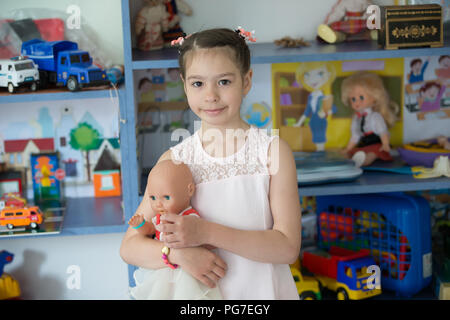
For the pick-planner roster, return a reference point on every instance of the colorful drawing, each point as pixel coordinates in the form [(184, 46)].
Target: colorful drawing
[(45, 184)]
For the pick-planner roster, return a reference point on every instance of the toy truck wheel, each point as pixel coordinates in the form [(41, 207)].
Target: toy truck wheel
[(10, 88), (342, 294), (72, 84), (10, 226), (43, 79), (308, 295), (33, 225), (33, 86)]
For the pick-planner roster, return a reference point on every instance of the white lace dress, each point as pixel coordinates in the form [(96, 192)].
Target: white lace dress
[(234, 191)]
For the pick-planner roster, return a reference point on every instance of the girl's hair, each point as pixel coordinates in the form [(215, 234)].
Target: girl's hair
[(216, 38), (374, 86)]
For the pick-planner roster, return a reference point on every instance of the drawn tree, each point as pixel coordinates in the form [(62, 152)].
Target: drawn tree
[(84, 138)]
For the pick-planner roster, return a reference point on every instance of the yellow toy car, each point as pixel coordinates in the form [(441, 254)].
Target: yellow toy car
[(307, 287)]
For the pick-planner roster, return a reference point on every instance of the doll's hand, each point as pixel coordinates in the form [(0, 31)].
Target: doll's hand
[(322, 114), (201, 263), (182, 231), (136, 220)]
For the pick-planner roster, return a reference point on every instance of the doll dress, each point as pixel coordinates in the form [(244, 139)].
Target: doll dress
[(234, 191), (170, 284)]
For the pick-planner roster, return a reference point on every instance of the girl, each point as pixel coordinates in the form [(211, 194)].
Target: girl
[(317, 77), (366, 94), (246, 185)]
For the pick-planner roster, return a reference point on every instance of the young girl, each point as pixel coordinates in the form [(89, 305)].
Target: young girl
[(246, 184), (366, 94)]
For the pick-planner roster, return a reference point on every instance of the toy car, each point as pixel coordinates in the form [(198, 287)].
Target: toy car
[(12, 217), (18, 72)]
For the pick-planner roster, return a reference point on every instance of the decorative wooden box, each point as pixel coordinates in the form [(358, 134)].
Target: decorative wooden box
[(411, 26)]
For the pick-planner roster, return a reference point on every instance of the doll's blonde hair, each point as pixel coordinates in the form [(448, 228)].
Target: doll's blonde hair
[(374, 86), (308, 66)]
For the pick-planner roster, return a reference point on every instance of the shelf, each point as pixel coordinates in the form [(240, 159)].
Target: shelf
[(88, 215), (270, 53), (373, 182), (58, 94)]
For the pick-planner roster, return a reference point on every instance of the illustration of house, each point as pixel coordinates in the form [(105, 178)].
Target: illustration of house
[(17, 152), (107, 182)]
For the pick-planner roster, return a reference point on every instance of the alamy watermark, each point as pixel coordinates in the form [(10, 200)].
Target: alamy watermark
[(74, 20), (73, 281), (373, 20)]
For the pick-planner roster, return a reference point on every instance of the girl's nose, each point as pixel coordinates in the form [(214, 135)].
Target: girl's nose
[(211, 94)]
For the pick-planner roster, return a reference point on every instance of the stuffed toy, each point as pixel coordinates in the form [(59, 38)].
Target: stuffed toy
[(173, 8), (346, 22), (152, 20)]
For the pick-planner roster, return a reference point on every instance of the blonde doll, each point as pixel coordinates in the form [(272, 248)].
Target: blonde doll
[(316, 77), (367, 96)]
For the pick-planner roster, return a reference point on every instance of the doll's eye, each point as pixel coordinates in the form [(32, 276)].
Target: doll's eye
[(353, 99), (321, 73), (167, 197), (361, 97), (153, 197)]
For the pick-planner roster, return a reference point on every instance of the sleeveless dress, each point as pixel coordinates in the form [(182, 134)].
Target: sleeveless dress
[(170, 284), (234, 191)]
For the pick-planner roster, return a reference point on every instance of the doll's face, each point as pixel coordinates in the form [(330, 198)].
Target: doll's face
[(360, 99), (316, 78), (170, 187)]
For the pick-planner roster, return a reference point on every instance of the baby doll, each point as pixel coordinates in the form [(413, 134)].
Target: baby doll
[(151, 21), (173, 8), (170, 188), (366, 94), (347, 21)]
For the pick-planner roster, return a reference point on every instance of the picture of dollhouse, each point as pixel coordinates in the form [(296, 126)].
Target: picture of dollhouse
[(106, 175)]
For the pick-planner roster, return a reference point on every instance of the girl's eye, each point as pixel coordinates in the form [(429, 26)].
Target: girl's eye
[(167, 197), (153, 197), (224, 82), (197, 84)]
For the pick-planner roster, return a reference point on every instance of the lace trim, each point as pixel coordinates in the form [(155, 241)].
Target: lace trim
[(251, 159)]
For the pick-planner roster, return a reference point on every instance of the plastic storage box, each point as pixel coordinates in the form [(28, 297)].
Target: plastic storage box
[(395, 227)]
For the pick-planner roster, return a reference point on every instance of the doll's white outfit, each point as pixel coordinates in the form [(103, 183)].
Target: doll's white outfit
[(234, 191), (170, 284)]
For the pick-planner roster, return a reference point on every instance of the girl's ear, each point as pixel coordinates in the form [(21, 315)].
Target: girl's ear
[(247, 83)]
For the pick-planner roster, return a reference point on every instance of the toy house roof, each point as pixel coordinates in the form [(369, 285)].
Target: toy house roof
[(44, 144)]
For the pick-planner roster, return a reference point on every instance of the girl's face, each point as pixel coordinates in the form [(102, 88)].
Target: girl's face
[(445, 63), (360, 99), (431, 93), (215, 87), (316, 78)]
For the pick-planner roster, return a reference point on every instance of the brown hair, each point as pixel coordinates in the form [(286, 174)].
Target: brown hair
[(428, 85), (375, 87), (213, 38)]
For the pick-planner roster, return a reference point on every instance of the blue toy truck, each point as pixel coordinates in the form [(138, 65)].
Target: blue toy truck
[(61, 63)]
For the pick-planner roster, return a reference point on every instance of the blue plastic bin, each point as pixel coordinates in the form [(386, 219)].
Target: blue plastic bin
[(395, 227)]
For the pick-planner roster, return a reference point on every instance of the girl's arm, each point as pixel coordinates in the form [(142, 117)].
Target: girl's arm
[(281, 244), (139, 250)]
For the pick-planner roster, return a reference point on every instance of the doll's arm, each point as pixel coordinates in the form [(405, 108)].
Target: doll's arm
[(385, 142), (138, 223), (300, 121)]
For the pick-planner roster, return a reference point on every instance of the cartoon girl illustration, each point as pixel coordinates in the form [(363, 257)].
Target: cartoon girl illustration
[(316, 77)]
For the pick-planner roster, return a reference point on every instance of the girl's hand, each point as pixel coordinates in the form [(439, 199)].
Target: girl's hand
[(202, 264), (182, 231)]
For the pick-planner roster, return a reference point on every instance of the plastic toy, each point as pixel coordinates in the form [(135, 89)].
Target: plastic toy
[(9, 287), (170, 187), (18, 72), (12, 217), (347, 21), (12, 199), (425, 152), (343, 271), (63, 64), (307, 287), (441, 168), (394, 227), (151, 21), (374, 113)]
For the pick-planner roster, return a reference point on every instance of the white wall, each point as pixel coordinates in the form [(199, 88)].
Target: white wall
[(40, 266)]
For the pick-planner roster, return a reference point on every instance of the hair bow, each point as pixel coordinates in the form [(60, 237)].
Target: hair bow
[(247, 35), (178, 41)]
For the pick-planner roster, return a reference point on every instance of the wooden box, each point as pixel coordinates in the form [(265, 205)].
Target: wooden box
[(411, 26)]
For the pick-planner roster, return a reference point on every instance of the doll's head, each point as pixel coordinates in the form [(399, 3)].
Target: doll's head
[(170, 187), (229, 40), (315, 76), (366, 89), (430, 90)]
